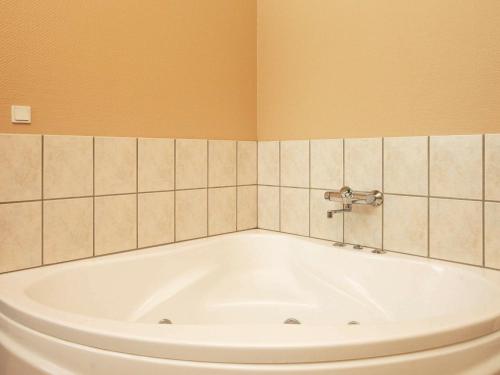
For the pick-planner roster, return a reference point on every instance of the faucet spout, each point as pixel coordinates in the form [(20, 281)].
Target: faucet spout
[(345, 208)]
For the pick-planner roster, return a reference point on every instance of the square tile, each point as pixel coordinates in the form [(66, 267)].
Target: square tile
[(155, 164), (20, 167), (363, 164), (20, 235), (405, 224), (322, 226), (406, 165), (221, 210), (456, 166), (190, 214), (363, 226), (115, 223), (295, 211), (456, 230), (268, 163), (68, 231), (492, 234), (492, 166), (68, 169), (156, 218), (247, 207), (268, 203), (115, 165), (295, 163), (327, 163), (191, 163), (247, 162), (221, 163)]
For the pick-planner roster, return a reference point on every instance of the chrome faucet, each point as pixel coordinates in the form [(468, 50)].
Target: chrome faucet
[(348, 197)]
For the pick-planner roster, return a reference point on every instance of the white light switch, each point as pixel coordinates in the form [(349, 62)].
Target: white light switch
[(21, 114)]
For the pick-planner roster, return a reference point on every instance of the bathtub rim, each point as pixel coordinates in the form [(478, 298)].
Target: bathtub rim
[(223, 344)]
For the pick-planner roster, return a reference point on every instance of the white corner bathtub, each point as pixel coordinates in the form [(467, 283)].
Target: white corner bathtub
[(228, 296)]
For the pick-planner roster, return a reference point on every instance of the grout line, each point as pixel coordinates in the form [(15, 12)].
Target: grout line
[(42, 193), (155, 192), (279, 182), (175, 182), (408, 195), (428, 196), (457, 199), (483, 192), (382, 206), (215, 187), (122, 251), (216, 235), (137, 192), (208, 174), (141, 192), (93, 196), (236, 195), (257, 171), (309, 189), (343, 184), (391, 251)]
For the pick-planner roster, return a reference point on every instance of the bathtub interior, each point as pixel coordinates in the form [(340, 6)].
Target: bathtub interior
[(255, 278)]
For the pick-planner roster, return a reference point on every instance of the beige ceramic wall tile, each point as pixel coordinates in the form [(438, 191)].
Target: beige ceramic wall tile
[(492, 167), (156, 218), (221, 210), (295, 163), (221, 163), (406, 165), (190, 214), (268, 203), (363, 226), (67, 229), (115, 165), (155, 164), (456, 166), (20, 167), (295, 211), (327, 159), (492, 234), (363, 163), (115, 223), (322, 226), (456, 230), (269, 163), (67, 166), (191, 163), (20, 235), (405, 224), (247, 162), (247, 207)]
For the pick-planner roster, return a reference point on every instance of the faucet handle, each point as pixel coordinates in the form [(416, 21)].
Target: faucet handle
[(346, 192)]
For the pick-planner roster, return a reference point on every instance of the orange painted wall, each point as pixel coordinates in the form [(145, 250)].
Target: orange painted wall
[(158, 68), (188, 68), (344, 68)]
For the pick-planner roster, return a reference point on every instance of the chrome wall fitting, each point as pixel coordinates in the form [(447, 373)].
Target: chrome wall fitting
[(358, 247), (378, 251), (339, 244), (348, 197)]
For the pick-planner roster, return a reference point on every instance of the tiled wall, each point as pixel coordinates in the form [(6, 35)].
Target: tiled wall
[(71, 197), (442, 193)]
